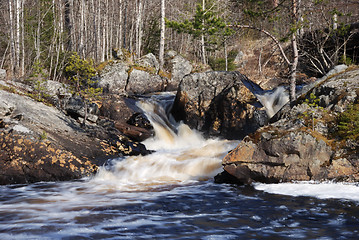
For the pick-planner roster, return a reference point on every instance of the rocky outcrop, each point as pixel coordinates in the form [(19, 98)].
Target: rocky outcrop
[(218, 103), (149, 61), (114, 77), (2, 74), (178, 66), (25, 160), (41, 143), (75, 107), (302, 143), (142, 82)]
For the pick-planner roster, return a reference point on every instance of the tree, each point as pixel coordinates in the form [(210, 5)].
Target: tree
[(80, 74), (205, 25), (162, 37), (293, 30)]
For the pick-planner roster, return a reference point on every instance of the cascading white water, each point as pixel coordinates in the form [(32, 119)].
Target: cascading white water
[(274, 100), (181, 155)]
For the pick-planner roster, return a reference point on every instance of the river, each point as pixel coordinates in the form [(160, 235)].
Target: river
[(170, 194)]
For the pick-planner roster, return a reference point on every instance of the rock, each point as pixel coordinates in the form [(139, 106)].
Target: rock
[(26, 161), (279, 157), (217, 103), (75, 107), (41, 143), (135, 133), (2, 74), (178, 66), (58, 93), (142, 82), (300, 143), (139, 120), (150, 62), (55, 88), (117, 108), (114, 77)]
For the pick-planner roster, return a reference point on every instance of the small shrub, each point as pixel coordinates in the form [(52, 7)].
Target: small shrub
[(313, 103), (80, 73), (348, 123), (219, 64)]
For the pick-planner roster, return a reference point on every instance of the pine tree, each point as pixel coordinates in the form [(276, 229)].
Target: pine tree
[(80, 74), (205, 24)]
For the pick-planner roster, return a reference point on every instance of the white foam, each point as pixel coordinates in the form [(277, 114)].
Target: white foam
[(326, 190), (182, 155)]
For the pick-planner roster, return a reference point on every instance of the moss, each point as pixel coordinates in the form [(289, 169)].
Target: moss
[(8, 89), (100, 67), (164, 74)]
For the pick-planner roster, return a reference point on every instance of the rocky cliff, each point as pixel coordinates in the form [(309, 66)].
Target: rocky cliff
[(302, 142)]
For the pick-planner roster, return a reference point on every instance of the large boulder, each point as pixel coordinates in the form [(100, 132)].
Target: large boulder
[(114, 77), (141, 82), (178, 66), (302, 143), (149, 61), (218, 103)]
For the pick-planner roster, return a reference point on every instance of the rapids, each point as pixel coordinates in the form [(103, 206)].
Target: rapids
[(170, 194)]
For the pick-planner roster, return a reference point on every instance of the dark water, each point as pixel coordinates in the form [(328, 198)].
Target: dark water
[(170, 194), (196, 210)]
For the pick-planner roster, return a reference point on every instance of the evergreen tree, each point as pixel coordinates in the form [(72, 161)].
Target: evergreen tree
[(80, 74), (204, 24)]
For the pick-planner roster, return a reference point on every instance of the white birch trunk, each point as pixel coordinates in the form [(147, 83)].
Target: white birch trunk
[(138, 28), (162, 37), (22, 66), (17, 39), (204, 60), (293, 69), (12, 45)]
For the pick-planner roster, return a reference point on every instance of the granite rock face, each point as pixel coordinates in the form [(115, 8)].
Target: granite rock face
[(114, 77), (178, 66), (2, 74), (41, 143), (142, 82), (218, 103), (301, 143)]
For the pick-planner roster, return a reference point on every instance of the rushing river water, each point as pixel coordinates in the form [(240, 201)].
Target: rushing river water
[(170, 194)]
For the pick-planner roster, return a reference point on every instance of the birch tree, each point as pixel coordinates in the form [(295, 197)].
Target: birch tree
[(162, 37)]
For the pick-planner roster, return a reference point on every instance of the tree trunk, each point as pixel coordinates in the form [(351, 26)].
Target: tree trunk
[(17, 39), (138, 28), (12, 45), (204, 60), (82, 29), (125, 26), (85, 115), (226, 54), (162, 38), (68, 24), (22, 65), (293, 68), (38, 33)]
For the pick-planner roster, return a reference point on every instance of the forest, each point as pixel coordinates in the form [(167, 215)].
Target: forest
[(43, 34)]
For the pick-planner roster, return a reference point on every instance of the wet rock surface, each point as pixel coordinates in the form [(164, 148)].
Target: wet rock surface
[(218, 103), (301, 143)]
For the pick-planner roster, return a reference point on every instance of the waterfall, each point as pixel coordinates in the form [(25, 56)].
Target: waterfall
[(180, 154), (273, 100)]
